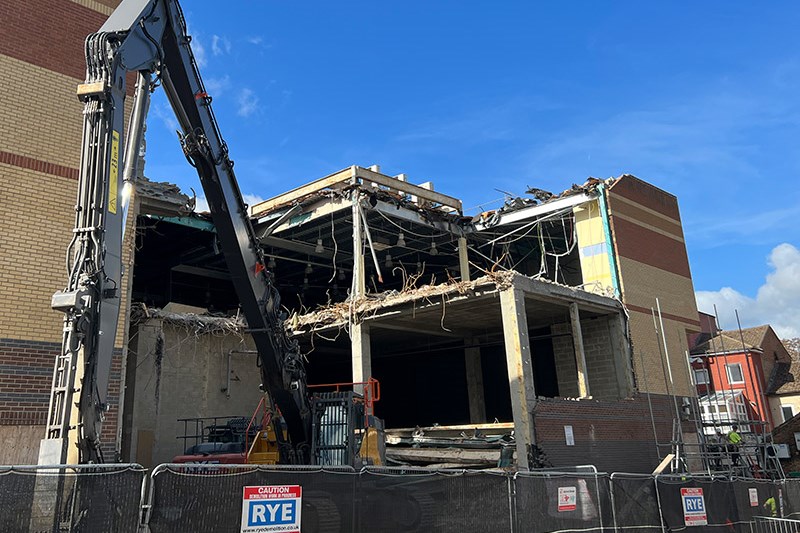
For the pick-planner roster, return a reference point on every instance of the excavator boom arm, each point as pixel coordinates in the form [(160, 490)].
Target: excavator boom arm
[(149, 36)]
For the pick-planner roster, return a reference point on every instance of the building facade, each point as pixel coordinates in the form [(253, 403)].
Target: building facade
[(41, 63), (735, 373)]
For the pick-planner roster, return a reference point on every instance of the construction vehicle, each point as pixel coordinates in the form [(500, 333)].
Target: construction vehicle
[(346, 431), (149, 37)]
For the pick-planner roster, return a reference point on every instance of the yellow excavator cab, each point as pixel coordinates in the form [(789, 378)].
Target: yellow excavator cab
[(264, 449)]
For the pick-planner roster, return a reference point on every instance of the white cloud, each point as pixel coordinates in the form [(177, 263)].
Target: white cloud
[(164, 113), (777, 301), (248, 102), (256, 39), (220, 45), (251, 200), (217, 86), (199, 51)]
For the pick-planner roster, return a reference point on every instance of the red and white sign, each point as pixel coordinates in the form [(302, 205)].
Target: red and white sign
[(753, 497), (567, 499), (273, 508), (694, 507)]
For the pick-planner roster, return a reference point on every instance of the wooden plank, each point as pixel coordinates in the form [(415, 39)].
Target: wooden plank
[(443, 455), (298, 193), (487, 430), (395, 184)]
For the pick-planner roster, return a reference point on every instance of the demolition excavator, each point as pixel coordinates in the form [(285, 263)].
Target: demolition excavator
[(149, 37)]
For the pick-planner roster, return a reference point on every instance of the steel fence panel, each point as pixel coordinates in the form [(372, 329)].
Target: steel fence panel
[(719, 495), (775, 525), (790, 496), (634, 503), (201, 498), (751, 497), (417, 500), (555, 502), (71, 498)]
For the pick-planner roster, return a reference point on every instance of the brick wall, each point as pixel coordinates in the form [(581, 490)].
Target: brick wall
[(41, 63), (600, 362), (566, 367), (653, 263), (612, 435), (27, 372)]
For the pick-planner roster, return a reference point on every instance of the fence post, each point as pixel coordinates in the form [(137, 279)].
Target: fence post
[(658, 500), (512, 501)]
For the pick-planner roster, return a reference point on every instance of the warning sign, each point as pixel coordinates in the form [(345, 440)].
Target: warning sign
[(753, 497), (567, 499), (694, 507), (271, 509)]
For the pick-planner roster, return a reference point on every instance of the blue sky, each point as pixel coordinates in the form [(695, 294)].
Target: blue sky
[(699, 98)]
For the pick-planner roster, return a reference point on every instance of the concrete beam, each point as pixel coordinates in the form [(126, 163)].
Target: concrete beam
[(541, 209), (436, 331), (477, 401), (552, 292), (337, 178), (520, 372), (580, 356)]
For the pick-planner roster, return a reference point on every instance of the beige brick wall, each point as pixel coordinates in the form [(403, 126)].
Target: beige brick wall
[(41, 116), (38, 216), (641, 285), (104, 8), (37, 210), (649, 363)]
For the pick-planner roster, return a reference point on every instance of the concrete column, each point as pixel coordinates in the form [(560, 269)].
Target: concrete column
[(520, 371), (463, 259), (580, 356), (622, 354), (359, 332), (477, 403), (359, 276), (362, 355)]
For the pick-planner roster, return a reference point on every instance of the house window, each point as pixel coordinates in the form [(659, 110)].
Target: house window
[(701, 376), (735, 374), (788, 412)]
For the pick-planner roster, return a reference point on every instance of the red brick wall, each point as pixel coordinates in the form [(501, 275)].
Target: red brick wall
[(49, 34), (615, 436), (26, 373)]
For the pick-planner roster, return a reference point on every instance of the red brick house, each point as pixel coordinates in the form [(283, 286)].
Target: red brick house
[(735, 372)]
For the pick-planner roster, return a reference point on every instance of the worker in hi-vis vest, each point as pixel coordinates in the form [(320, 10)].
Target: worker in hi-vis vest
[(734, 440), (771, 507)]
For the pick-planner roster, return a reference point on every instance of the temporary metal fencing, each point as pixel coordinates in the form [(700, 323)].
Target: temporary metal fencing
[(764, 524), (86, 498), (200, 497)]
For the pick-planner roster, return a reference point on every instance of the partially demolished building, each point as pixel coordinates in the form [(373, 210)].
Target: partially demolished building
[(527, 332)]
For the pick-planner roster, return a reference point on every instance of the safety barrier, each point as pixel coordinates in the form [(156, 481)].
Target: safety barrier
[(200, 497), (764, 524), (86, 498)]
